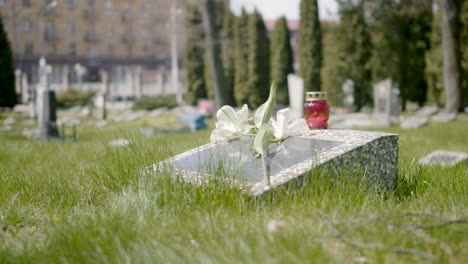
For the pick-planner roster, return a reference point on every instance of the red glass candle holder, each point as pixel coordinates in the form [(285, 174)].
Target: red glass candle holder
[(316, 110)]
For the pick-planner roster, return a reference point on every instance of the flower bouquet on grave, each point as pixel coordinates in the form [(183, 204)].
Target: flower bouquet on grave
[(231, 125)]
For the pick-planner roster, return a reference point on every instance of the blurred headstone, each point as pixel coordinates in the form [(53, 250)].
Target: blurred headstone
[(386, 102), (444, 117), (48, 115), (427, 111), (9, 121), (414, 122), (296, 96), (119, 143), (137, 88), (195, 120), (24, 89), (104, 93), (65, 82), (18, 88), (348, 95), (5, 129), (444, 158)]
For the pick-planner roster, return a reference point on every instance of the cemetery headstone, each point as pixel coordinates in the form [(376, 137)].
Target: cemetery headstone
[(427, 111), (119, 143), (296, 95), (104, 94), (195, 120), (372, 154), (444, 117), (9, 121), (138, 92), (25, 96), (18, 81), (48, 115), (348, 95), (386, 102), (444, 158), (414, 122)]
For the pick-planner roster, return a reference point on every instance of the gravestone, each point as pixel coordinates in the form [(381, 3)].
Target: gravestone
[(444, 117), (48, 115), (104, 93), (137, 87), (25, 97), (386, 102), (296, 96), (444, 158), (373, 154), (195, 120), (18, 88), (414, 122), (348, 95), (427, 111)]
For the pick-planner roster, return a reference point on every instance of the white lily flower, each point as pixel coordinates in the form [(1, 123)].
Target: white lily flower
[(285, 127), (230, 124)]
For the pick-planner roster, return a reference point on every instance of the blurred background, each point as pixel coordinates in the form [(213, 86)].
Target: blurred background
[(149, 48)]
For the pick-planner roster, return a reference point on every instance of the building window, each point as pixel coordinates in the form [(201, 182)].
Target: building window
[(5, 24), (111, 50), (110, 31), (26, 3), (71, 28), (145, 10), (70, 4), (27, 25), (28, 49), (72, 49), (92, 52), (109, 7)]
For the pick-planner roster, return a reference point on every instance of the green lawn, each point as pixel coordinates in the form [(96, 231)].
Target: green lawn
[(83, 202)]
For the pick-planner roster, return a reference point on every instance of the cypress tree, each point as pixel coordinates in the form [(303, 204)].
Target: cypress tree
[(310, 45), (355, 50), (434, 63), (464, 49), (281, 60), (227, 54), (8, 97), (258, 61), (403, 36), (332, 81), (241, 58), (194, 46)]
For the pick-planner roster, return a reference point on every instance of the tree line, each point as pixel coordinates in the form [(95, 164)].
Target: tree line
[(372, 41)]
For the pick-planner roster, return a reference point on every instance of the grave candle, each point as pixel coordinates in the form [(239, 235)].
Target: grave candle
[(316, 110)]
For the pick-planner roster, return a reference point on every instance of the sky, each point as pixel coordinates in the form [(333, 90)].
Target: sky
[(272, 9)]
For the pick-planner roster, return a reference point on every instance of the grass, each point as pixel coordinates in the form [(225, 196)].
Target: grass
[(84, 202)]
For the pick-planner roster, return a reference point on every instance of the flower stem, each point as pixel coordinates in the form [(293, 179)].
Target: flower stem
[(266, 176)]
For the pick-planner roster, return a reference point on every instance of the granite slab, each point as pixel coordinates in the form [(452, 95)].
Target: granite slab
[(372, 153)]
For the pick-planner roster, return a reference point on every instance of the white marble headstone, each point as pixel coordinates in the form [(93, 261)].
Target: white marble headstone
[(296, 95), (444, 158)]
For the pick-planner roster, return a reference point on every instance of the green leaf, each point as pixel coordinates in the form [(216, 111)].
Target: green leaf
[(262, 139), (263, 113)]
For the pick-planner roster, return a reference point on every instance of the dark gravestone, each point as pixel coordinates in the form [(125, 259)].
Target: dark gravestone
[(373, 154), (195, 120), (48, 124)]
